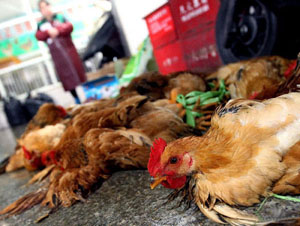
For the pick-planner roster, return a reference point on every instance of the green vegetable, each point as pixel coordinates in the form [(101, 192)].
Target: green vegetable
[(181, 99), (196, 114), (210, 101), (194, 93), (288, 198), (211, 85), (189, 101), (190, 119), (193, 100)]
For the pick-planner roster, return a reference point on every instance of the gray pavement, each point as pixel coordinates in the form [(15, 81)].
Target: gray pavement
[(124, 199)]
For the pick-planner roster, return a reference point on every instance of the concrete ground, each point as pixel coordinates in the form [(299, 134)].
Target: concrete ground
[(124, 199)]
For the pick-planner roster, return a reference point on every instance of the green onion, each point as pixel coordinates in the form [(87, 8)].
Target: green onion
[(261, 205), (222, 85), (190, 107), (193, 94), (192, 100), (210, 101), (181, 99), (190, 120), (288, 198), (189, 101), (196, 114), (211, 85), (209, 94)]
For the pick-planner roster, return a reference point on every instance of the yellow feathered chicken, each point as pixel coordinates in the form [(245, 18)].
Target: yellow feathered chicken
[(256, 78), (238, 161)]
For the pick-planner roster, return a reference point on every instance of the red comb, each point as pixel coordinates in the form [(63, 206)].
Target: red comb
[(48, 158), (62, 110), (156, 151), (27, 154), (253, 95), (290, 69)]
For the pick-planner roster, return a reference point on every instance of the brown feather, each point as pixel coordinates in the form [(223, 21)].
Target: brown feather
[(24, 203), (241, 77), (156, 86)]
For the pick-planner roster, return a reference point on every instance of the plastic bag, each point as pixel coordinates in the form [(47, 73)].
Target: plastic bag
[(15, 112), (32, 104), (137, 63)]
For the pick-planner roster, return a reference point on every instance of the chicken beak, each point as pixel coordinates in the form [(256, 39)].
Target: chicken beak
[(157, 181)]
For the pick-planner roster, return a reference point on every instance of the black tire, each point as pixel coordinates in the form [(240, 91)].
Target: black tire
[(245, 29), (288, 35)]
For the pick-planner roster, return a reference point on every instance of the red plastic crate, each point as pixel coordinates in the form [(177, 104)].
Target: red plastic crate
[(161, 26), (200, 52), (194, 16), (170, 58)]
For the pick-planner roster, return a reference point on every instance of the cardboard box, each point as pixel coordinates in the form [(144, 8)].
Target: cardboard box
[(169, 58), (194, 16), (161, 26), (200, 52), (193, 33)]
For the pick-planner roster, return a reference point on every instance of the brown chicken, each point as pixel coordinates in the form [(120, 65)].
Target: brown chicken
[(250, 151), (34, 148), (48, 114), (157, 86), (85, 121), (93, 106), (82, 161), (36, 144), (150, 84), (257, 78)]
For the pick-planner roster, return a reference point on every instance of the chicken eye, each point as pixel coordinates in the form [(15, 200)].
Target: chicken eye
[(173, 160)]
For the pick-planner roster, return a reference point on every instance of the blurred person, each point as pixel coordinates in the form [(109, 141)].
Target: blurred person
[(55, 30)]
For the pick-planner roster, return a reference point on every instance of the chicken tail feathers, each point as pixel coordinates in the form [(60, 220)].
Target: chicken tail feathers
[(65, 188), (23, 204), (72, 185)]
